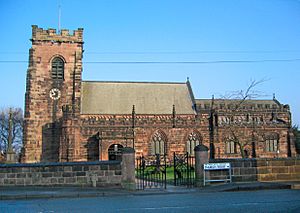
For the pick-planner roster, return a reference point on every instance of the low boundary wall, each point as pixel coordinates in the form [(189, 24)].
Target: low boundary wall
[(119, 174), (271, 169), (87, 174)]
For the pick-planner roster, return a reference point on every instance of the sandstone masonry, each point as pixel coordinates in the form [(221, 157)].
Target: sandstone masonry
[(65, 123)]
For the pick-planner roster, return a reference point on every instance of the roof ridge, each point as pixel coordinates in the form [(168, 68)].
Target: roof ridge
[(136, 82)]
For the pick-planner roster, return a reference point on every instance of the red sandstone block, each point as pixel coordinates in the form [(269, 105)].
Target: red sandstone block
[(296, 176), (263, 170), (280, 169), (289, 162), (282, 177), (248, 171), (291, 169), (266, 177), (261, 162), (236, 171), (276, 162), (297, 168)]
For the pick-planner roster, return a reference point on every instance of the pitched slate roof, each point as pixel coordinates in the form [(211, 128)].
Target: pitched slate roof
[(148, 98)]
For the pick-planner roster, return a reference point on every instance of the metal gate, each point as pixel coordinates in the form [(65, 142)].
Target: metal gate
[(184, 170), (151, 172)]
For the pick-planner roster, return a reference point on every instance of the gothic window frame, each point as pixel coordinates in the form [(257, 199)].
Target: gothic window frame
[(158, 144), (230, 147), (193, 140), (57, 68), (272, 143)]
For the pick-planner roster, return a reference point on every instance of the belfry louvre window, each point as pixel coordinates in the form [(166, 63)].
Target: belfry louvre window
[(58, 69)]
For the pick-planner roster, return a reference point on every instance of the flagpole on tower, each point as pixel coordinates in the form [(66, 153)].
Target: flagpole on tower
[(59, 15)]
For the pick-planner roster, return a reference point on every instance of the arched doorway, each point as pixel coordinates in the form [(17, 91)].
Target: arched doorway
[(115, 152)]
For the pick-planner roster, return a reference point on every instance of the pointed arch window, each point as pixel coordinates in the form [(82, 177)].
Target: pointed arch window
[(57, 69), (192, 142), (158, 144)]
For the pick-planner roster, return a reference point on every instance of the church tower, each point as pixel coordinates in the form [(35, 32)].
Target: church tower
[(53, 81)]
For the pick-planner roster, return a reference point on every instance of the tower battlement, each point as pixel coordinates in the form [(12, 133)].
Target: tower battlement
[(40, 34)]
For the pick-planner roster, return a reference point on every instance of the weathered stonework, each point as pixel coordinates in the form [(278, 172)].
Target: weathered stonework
[(83, 174), (56, 130), (262, 170), (42, 127), (251, 123)]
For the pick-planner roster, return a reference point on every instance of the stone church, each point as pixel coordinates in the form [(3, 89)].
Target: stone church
[(68, 119)]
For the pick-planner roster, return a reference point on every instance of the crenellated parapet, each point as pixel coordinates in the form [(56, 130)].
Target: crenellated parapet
[(50, 35), (250, 121), (237, 105), (140, 120)]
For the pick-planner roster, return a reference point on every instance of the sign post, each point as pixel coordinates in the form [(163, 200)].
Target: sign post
[(216, 166)]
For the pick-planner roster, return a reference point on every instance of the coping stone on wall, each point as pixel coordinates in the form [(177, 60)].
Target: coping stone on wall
[(59, 164)]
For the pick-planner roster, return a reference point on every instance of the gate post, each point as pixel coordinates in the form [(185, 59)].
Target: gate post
[(201, 157), (128, 168)]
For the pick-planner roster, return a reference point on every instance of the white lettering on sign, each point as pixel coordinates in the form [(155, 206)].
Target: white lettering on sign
[(216, 166)]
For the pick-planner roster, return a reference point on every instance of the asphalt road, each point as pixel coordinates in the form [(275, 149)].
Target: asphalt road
[(246, 201)]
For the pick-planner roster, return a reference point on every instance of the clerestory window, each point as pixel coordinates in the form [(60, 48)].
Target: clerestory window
[(272, 143), (230, 147)]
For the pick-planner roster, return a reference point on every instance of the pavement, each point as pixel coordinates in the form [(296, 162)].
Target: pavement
[(14, 193)]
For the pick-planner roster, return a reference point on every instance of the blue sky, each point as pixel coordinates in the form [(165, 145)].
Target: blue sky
[(265, 32)]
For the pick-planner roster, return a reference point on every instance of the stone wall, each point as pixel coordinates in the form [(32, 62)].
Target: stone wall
[(244, 170), (118, 129), (83, 174)]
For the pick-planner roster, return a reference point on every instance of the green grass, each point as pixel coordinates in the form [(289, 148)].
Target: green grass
[(169, 172)]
